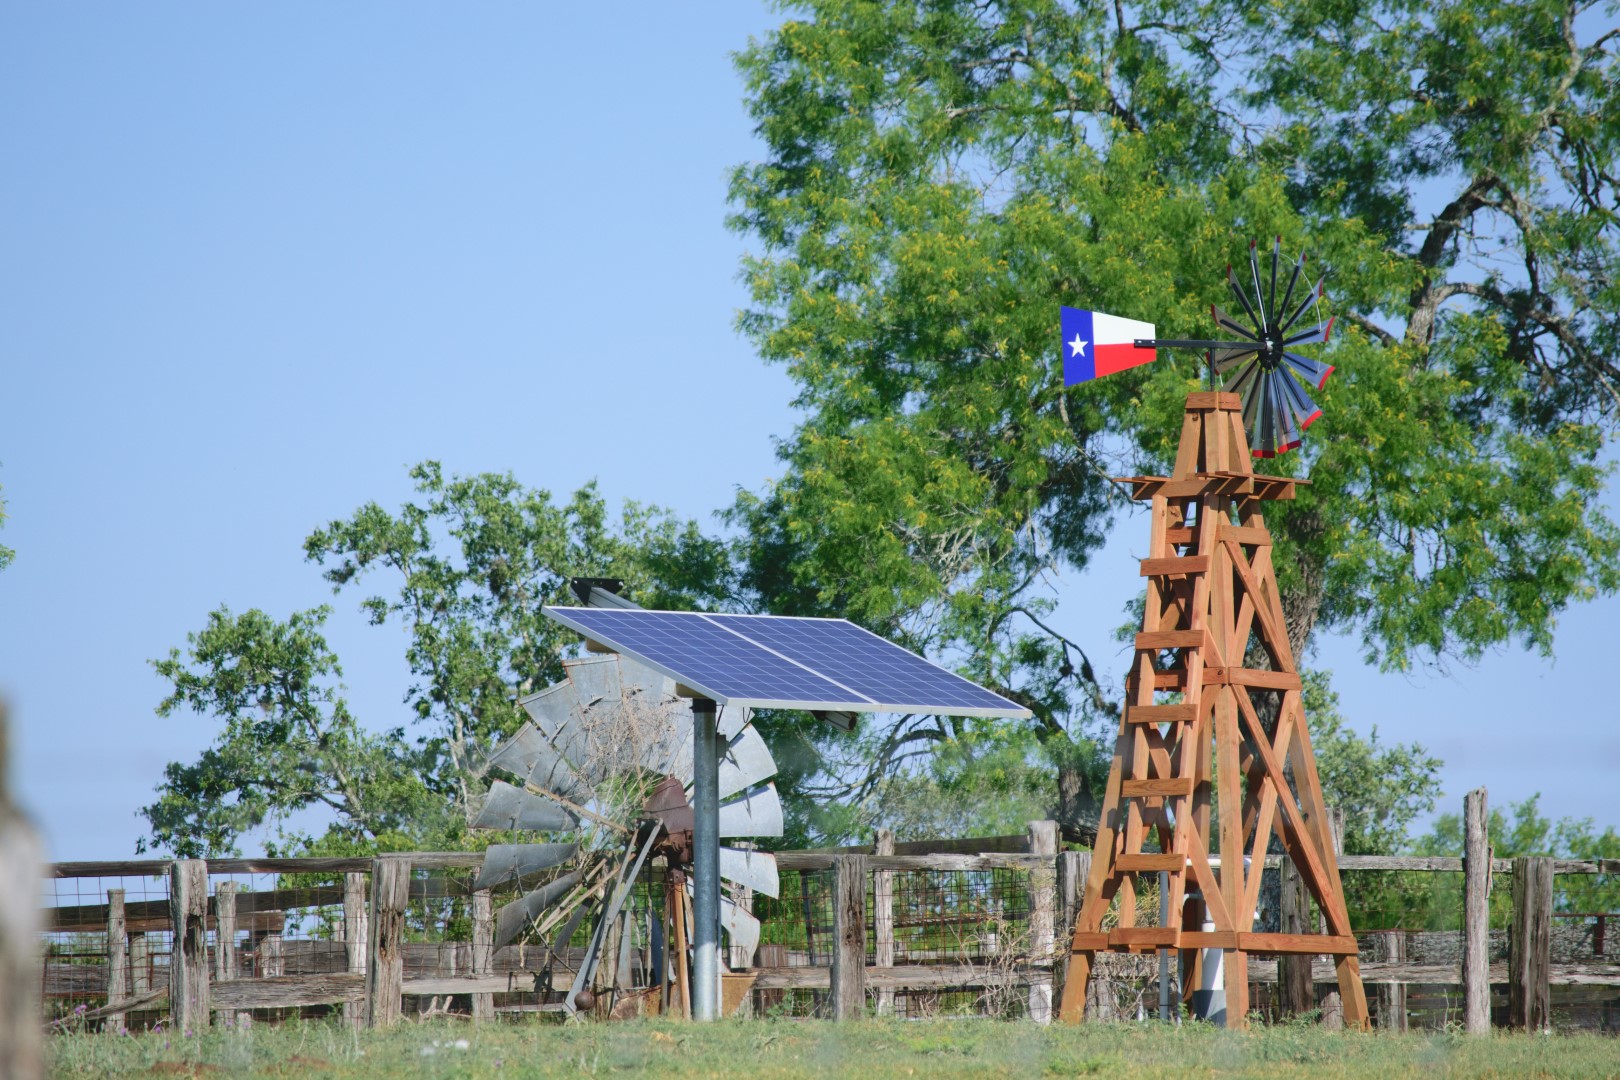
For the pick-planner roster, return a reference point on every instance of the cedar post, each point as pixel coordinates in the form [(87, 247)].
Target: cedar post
[(1043, 836), (1296, 992), (1390, 947), (883, 918), (140, 965), (188, 963), (1333, 1004), (483, 950), (385, 970), (117, 959), (226, 961), (354, 939), (1476, 962), (21, 859), (270, 954), (1072, 868), (849, 937), (1530, 945)]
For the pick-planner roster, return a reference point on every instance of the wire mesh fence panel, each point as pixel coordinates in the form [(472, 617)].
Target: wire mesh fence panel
[(77, 950)]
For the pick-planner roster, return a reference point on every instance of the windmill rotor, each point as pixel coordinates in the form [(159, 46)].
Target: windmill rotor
[(604, 766)]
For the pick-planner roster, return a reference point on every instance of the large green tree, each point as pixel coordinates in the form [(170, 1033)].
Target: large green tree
[(463, 569), (937, 177)]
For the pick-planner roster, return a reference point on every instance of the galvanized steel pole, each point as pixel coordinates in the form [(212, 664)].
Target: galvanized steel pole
[(705, 862)]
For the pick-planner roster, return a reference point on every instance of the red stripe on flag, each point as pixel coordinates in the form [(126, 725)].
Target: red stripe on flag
[(1112, 358)]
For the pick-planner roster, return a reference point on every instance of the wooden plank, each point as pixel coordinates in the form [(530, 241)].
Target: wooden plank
[(289, 991), (1157, 787), (1183, 713), (1530, 946), (906, 863), (385, 966), (1265, 680), (1210, 400), (1321, 944), (883, 917), (1150, 861), (849, 938), (1476, 916), (1088, 941), (1209, 939), (1175, 566), (1144, 937), (1156, 640), (511, 982), (188, 963)]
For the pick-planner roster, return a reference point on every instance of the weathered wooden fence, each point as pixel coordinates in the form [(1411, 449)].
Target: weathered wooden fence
[(904, 928)]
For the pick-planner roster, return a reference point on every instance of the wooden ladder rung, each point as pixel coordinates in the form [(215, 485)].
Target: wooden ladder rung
[(1144, 937), (1150, 861), (1171, 639), (1161, 714), (1156, 788), (1175, 566)]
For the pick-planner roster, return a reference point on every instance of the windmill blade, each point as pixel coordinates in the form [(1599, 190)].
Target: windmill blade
[(1306, 412), (742, 927), (1310, 369), (551, 709), (654, 687), (1276, 250), (1293, 279), (1264, 442), (1237, 291), (1242, 384), (671, 753), (1283, 417), (530, 755), (747, 761), (508, 807), (514, 918), (514, 862), (1226, 322), (757, 812), (732, 719), (1254, 267), (1323, 328), (755, 869), (1227, 359), (595, 679), (1305, 305)]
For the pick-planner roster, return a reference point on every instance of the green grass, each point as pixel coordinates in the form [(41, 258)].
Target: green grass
[(873, 1050)]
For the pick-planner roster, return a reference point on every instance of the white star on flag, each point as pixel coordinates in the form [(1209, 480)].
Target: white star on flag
[(1077, 345)]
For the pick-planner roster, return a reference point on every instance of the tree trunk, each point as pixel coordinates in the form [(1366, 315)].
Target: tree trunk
[(1077, 805)]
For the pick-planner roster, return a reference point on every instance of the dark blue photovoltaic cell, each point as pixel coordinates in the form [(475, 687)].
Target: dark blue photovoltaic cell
[(786, 662), (869, 665), (698, 652)]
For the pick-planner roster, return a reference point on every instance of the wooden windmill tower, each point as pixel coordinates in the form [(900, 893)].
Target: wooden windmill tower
[(1200, 784)]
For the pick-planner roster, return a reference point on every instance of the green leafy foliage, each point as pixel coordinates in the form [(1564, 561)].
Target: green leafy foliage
[(1522, 830), (464, 569), (938, 178)]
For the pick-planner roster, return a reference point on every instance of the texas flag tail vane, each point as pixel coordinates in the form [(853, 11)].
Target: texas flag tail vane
[(1095, 344)]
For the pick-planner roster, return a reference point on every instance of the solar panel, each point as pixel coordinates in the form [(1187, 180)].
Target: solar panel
[(780, 662)]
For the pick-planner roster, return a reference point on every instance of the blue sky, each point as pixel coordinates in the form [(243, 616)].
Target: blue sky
[(255, 262)]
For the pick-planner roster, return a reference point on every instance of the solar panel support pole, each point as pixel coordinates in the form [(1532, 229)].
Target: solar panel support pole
[(705, 861)]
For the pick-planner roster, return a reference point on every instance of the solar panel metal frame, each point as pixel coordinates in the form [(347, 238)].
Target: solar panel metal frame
[(854, 702)]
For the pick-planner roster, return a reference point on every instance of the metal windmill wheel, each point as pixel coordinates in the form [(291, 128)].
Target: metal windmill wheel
[(1262, 368), (608, 753)]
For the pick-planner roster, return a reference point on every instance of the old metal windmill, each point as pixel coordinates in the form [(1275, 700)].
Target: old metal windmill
[(1213, 755)]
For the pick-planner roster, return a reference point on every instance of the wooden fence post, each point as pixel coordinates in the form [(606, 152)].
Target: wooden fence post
[(483, 950), (227, 965), (1296, 992), (849, 937), (1043, 838), (883, 918), (385, 970), (1072, 870), (21, 861), (140, 965), (188, 962), (354, 939), (1333, 1004), (1476, 959), (117, 959), (1530, 945), (1390, 947)]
